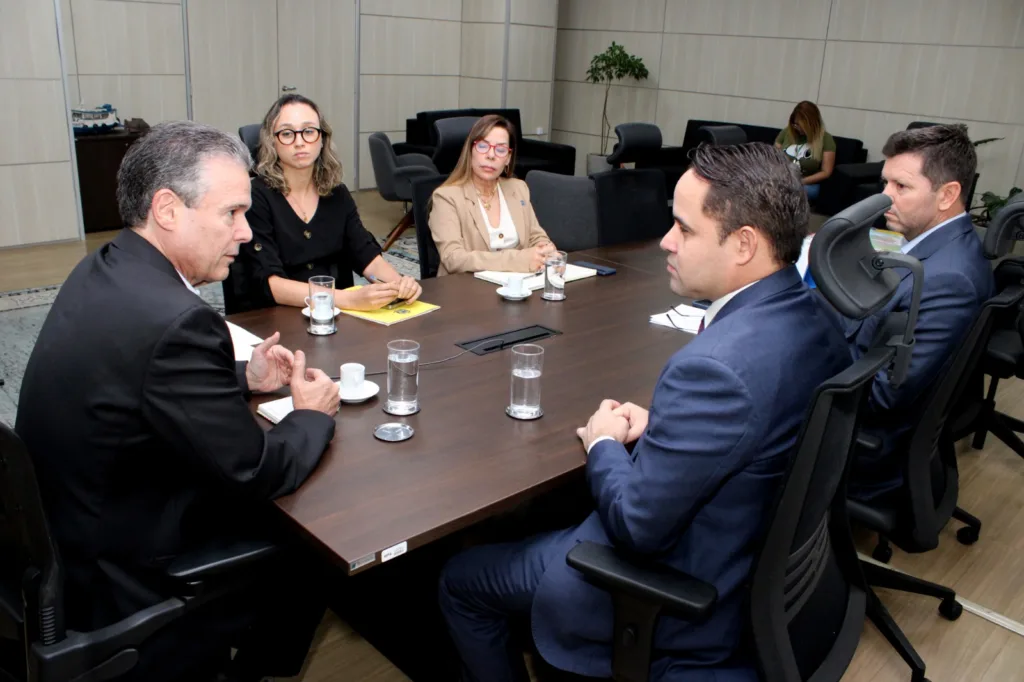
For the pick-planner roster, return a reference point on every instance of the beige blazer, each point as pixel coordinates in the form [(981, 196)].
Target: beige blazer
[(461, 235)]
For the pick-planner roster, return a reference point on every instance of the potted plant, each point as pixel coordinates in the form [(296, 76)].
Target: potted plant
[(607, 67), (990, 204)]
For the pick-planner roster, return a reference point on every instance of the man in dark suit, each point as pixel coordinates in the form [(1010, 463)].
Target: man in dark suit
[(927, 174), (135, 413), (709, 456)]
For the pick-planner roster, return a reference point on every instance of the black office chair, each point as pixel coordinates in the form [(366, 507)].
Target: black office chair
[(566, 207), (913, 519), (422, 190), (250, 135), (722, 135), (394, 174), (35, 645), (632, 205), (451, 135), (808, 596), (637, 143), (1004, 354)]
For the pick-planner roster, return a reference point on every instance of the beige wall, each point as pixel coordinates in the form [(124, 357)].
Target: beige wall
[(531, 63), (128, 53), (37, 195), (409, 61), (873, 66)]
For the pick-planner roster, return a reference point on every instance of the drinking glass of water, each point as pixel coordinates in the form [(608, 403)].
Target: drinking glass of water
[(321, 305), (527, 364), (554, 276), (403, 377)]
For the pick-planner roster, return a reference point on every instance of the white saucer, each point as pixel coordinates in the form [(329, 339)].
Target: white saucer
[(305, 311), (508, 296), (367, 391)]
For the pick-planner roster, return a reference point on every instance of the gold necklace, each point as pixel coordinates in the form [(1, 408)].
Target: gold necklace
[(487, 200)]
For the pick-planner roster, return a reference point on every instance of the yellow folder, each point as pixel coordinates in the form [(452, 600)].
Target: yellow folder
[(388, 316)]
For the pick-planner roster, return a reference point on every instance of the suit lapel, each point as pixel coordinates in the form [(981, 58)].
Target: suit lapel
[(781, 280), (942, 236), (515, 210), (473, 206)]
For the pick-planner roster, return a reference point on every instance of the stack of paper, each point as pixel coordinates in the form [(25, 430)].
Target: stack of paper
[(389, 316), (276, 410), (572, 273), (243, 341), (683, 317)]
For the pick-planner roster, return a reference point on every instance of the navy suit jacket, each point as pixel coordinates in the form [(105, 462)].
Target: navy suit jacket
[(957, 281), (695, 490)]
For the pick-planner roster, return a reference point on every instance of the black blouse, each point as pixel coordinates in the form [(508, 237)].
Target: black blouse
[(334, 242)]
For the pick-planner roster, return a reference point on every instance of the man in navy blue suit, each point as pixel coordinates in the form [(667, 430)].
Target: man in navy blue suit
[(927, 174), (709, 456)]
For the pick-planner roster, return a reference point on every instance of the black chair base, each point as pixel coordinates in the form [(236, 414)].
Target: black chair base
[(880, 576), (1002, 426), (967, 535)]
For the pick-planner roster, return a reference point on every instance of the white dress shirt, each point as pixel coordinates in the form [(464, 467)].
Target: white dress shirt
[(188, 284), (924, 235), (504, 236)]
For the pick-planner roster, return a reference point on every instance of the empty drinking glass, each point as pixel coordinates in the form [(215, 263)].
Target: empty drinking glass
[(527, 364), (554, 276), (403, 377), (320, 303)]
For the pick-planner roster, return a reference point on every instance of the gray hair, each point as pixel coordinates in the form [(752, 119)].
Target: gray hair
[(170, 156)]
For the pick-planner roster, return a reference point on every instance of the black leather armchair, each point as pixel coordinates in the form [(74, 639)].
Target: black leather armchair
[(35, 645), (808, 596), (393, 175)]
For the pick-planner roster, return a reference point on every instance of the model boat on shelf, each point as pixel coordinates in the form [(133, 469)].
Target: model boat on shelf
[(99, 119)]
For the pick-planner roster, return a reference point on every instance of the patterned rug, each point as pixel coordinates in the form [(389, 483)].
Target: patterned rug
[(22, 314)]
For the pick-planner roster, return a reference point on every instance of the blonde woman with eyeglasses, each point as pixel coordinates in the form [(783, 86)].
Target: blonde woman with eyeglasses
[(482, 218), (304, 221)]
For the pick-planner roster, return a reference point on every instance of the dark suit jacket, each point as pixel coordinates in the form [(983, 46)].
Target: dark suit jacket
[(957, 281), (695, 490), (135, 414)]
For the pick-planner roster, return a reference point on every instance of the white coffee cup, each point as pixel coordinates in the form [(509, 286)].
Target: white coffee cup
[(352, 376), (515, 284)]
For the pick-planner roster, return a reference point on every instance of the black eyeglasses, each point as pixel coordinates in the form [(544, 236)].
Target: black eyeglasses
[(287, 136)]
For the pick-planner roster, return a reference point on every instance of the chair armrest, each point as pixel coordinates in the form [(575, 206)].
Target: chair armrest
[(685, 596), (406, 148), (416, 161), (216, 561), (866, 441), (105, 653), (551, 151)]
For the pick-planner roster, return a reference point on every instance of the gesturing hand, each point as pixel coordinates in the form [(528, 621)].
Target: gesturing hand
[(270, 366)]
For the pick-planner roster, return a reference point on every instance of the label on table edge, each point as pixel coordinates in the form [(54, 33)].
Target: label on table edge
[(361, 561), (392, 552)]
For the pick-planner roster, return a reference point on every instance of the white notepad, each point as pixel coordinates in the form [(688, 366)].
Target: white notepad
[(572, 273), (243, 341), (686, 318), (276, 410)]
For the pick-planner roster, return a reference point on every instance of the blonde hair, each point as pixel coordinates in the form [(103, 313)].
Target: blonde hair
[(463, 172), (327, 167), (808, 117)]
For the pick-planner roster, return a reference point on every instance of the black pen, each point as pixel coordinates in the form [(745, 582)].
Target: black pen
[(395, 303)]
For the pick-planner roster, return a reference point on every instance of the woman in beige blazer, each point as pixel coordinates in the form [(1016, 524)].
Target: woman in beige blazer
[(482, 218)]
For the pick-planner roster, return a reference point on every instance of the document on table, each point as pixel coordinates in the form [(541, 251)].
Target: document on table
[(276, 410), (243, 341), (685, 318), (572, 273)]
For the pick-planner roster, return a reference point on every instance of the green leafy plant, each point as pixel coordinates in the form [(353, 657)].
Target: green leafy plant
[(611, 65), (990, 204)]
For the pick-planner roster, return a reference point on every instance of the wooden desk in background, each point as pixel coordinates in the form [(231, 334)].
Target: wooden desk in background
[(99, 156), (468, 460)]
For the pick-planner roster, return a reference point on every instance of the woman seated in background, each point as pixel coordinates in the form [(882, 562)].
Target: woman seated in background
[(304, 221), (482, 218), (807, 143)]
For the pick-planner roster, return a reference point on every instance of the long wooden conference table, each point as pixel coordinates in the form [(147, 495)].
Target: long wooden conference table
[(468, 460)]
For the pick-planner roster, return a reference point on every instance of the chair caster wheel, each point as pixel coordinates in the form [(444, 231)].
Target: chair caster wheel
[(967, 535), (950, 608), (882, 553)]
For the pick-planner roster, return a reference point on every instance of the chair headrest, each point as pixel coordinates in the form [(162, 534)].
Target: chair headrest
[(722, 134), (1007, 227), (636, 142), (454, 128), (837, 252)]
